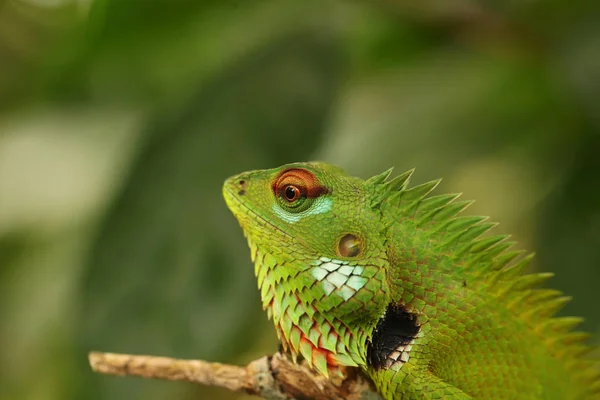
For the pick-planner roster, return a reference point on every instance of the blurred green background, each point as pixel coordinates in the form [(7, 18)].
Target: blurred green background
[(119, 120)]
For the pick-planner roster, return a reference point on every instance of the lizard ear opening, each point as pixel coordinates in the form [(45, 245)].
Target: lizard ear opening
[(349, 245)]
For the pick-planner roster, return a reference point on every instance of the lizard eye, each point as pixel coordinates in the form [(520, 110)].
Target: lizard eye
[(296, 188), (292, 196), (291, 193)]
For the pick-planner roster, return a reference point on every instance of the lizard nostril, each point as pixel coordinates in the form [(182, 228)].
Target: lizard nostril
[(242, 184)]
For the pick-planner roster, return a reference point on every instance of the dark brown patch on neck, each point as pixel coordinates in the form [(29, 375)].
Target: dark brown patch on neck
[(396, 329)]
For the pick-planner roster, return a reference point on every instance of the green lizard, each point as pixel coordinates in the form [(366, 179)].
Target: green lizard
[(386, 278)]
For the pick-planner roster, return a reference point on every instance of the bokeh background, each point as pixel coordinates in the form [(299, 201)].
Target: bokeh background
[(119, 120)]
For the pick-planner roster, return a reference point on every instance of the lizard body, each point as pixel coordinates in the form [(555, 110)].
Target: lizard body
[(376, 275)]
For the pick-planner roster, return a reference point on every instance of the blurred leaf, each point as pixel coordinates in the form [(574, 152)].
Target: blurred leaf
[(27, 36), (166, 262), (155, 54), (481, 104), (568, 234)]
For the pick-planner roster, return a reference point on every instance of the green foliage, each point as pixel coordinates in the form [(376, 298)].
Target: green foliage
[(119, 122)]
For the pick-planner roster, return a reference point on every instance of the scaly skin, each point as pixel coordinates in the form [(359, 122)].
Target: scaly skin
[(375, 275)]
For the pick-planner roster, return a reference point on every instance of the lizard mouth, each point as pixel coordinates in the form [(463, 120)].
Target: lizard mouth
[(249, 218), (244, 214)]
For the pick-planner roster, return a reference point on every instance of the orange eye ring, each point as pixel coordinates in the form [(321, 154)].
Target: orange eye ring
[(296, 183), (290, 188)]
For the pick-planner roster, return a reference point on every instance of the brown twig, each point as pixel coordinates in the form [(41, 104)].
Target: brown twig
[(270, 377)]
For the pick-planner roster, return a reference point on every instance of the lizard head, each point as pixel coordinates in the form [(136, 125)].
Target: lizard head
[(318, 244)]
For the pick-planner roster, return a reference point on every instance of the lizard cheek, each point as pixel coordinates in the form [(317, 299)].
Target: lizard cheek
[(349, 245)]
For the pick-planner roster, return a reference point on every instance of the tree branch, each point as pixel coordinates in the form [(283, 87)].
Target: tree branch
[(274, 377)]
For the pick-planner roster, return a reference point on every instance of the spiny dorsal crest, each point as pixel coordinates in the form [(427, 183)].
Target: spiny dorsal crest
[(384, 188), (489, 261)]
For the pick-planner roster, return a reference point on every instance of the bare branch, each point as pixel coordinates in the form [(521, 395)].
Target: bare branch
[(273, 377)]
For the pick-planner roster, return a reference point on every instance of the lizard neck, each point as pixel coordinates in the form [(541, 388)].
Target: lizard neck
[(326, 344), (314, 318)]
